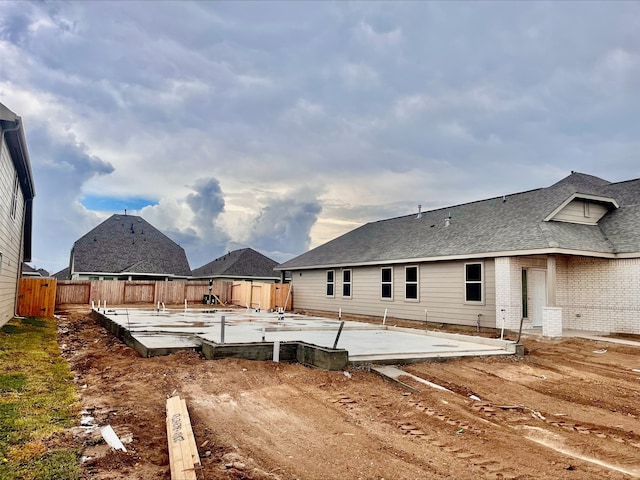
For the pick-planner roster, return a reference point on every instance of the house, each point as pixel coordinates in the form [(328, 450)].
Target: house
[(127, 247), (242, 264), (62, 274), (16, 209), (566, 256), (29, 271)]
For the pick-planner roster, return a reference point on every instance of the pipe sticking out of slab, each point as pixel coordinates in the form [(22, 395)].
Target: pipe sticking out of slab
[(222, 329), (335, 344)]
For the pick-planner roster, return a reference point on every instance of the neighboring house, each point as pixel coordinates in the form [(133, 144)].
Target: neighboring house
[(16, 209), (29, 271), (62, 274), (243, 264), (566, 256), (127, 247)]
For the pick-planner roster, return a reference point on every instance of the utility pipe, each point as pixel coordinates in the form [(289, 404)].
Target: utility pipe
[(503, 320), (384, 318), (222, 329), (335, 344)]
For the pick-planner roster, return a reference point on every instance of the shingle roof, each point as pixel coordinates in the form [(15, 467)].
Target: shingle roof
[(128, 243), (62, 274), (244, 262), (514, 223)]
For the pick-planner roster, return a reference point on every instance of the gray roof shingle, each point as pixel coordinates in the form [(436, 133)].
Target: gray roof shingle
[(489, 226), (244, 262), (128, 243)]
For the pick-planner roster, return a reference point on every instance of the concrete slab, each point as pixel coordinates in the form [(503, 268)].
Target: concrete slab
[(151, 330)]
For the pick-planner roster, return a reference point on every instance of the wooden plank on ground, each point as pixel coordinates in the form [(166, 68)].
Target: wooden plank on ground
[(183, 452)]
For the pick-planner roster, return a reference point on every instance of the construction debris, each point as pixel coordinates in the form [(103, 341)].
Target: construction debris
[(183, 452)]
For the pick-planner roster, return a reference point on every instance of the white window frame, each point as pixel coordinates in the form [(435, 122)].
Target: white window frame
[(349, 283), (332, 283), (473, 282), (416, 283), (383, 283)]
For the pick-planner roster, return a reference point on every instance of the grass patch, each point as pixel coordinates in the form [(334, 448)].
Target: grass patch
[(38, 403), (12, 383)]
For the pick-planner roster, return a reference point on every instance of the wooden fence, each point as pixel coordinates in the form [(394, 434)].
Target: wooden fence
[(36, 297), (245, 294), (265, 296)]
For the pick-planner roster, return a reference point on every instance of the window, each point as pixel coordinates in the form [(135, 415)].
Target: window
[(473, 282), (411, 283), (330, 282), (346, 283), (525, 305), (386, 282), (14, 200)]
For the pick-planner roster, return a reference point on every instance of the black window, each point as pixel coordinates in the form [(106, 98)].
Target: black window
[(330, 282), (411, 283), (346, 283), (386, 282), (473, 282)]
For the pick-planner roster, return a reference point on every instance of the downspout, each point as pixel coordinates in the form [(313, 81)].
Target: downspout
[(19, 270)]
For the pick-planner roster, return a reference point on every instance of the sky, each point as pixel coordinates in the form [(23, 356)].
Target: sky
[(282, 125)]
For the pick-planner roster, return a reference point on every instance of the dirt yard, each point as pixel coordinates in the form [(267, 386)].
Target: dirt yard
[(569, 409)]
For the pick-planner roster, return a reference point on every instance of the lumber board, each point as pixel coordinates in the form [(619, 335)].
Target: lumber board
[(183, 451)]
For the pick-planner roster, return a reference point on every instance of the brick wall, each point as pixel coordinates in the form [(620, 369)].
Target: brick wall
[(599, 294), (594, 294)]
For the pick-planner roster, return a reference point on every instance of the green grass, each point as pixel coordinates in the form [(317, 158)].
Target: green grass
[(38, 403)]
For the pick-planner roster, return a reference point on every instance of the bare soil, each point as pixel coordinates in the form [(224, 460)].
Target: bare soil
[(563, 411)]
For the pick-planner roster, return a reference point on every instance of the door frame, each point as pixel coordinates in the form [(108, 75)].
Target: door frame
[(536, 320)]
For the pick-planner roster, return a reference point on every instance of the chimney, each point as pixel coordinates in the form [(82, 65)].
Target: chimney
[(419, 212)]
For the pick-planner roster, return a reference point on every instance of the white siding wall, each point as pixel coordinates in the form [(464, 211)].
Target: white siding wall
[(10, 237), (599, 294), (441, 293), (574, 212)]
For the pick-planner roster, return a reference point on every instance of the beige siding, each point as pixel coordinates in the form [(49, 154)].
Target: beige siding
[(10, 237), (441, 293), (575, 212)]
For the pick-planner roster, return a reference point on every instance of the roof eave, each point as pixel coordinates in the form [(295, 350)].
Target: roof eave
[(470, 256)]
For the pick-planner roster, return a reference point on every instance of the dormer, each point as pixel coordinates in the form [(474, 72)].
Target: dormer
[(583, 208)]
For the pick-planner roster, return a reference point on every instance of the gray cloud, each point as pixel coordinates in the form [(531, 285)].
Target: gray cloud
[(284, 224), (60, 167)]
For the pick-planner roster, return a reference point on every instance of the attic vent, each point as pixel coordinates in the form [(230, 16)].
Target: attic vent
[(419, 212), (447, 220)]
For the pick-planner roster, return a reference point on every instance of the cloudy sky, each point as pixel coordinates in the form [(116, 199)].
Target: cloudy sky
[(280, 126)]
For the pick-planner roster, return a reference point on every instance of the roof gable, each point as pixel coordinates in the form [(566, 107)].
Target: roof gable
[(128, 244), (582, 208)]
